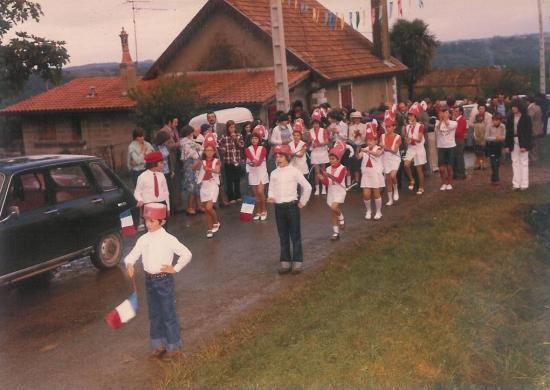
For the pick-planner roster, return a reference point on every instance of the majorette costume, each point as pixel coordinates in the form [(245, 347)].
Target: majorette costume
[(319, 153), (208, 180), (298, 162), (371, 166), (255, 161), (336, 190), (415, 149), (391, 159), (151, 186)]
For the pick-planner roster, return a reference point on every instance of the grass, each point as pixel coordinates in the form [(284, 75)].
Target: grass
[(459, 303)]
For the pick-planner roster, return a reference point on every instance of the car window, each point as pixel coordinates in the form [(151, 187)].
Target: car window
[(27, 191), (70, 182), (103, 180), (2, 179)]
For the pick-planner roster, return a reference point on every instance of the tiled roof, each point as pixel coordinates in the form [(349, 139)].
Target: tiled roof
[(333, 53), (225, 87)]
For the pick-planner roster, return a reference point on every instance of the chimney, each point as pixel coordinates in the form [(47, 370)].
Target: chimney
[(380, 30), (127, 67)]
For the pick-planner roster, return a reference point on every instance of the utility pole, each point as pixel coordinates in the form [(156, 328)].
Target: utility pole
[(542, 63), (279, 55)]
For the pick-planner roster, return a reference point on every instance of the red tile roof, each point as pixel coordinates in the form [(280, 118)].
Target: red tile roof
[(333, 53), (223, 87)]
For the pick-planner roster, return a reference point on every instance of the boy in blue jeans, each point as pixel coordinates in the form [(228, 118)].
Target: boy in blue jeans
[(156, 249)]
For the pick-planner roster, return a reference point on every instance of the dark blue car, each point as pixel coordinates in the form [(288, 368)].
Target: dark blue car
[(56, 208)]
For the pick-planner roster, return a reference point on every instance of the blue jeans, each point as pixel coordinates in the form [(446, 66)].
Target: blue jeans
[(287, 216), (164, 328)]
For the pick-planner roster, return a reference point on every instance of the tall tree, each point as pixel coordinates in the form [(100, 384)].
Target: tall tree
[(24, 55), (415, 46)]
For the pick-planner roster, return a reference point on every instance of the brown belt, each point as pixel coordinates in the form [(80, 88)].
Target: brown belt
[(160, 275)]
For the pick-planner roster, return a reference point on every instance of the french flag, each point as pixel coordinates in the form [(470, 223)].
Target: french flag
[(127, 223), (123, 312), (247, 209)]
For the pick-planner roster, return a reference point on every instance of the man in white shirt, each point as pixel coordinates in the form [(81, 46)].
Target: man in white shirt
[(283, 185)]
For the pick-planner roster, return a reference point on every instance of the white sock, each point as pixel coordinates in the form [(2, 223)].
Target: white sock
[(367, 205), (395, 189), (336, 229), (390, 196), (378, 203)]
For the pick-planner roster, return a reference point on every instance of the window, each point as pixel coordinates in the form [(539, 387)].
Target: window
[(69, 183), (103, 180), (46, 129), (28, 192), (346, 95)]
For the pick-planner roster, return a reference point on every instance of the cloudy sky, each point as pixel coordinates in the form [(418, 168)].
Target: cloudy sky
[(90, 28)]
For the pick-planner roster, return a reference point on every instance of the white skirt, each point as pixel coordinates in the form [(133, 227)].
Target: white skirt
[(319, 155), (300, 163), (258, 175), (417, 153), (372, 178), (209, 191), (336, 194), (390, 162)]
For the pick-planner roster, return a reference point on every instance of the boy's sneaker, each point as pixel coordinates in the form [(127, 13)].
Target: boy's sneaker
[(449, 187), (296, 267), (284, 268), (443, 187), (378, 216), (216, 227), (368, 215)]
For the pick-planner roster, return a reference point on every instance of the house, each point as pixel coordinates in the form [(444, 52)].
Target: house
[(227, 49)]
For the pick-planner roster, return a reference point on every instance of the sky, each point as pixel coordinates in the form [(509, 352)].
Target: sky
[(90, 28)]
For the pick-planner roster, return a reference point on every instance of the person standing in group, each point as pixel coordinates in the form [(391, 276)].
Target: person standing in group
[(151, 185), (337, 128), (298, 149), (356, 134), (218, 132), (391, 159), (170, 135), (190, 154), (414, 137), (430, 136), (231, 146), (157, 249), (256, 156), (494, 135), (372, 176), (518, 141), (283, 191), (535, 113), (446, 146), (460, 140), (334, 179), (161, 141), (209, 168), (318, 139), (137, 150), (481, 121), (281, 134)]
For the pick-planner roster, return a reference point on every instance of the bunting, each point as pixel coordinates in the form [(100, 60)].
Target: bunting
[(342, 22), (391, 8), (357, 20), (420, 3), (400, 7), (351, 18), (373, 15)]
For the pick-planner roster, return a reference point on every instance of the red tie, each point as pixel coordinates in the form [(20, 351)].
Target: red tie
[(156, 185)]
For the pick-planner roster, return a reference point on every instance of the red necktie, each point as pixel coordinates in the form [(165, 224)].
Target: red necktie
[(156, 185)]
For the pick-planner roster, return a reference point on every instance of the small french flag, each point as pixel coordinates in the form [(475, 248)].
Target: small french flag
[(123, 312), (247, 209), (127, 223)]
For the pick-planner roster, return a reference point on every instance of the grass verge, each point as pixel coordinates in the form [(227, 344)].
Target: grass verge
[(454, 298)]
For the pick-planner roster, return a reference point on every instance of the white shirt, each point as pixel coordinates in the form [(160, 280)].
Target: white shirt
[(145, 188), (341, 133), (445, 134), (361, 128), (283, 185), (157, 249)]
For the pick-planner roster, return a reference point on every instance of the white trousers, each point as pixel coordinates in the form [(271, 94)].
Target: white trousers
[(520, 167)]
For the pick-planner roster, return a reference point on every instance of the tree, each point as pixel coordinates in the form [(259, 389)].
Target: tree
[(415, 46), (174, 96), (26, 54), (508, 82)]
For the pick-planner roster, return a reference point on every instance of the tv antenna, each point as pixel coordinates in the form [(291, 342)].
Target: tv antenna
[(138, 8)]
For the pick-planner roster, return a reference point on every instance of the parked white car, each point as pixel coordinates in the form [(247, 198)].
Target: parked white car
[(237, 114)]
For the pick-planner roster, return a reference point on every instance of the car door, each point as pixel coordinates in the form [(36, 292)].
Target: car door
[(29, 238)]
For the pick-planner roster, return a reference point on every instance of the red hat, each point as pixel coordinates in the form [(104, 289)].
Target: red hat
[(155, 211), (372, 127), (415, 109), (153, 157), (298, 126), (316, 115), (209, 140), (338, 150), (389, 117), (282, 149), (259, 130), (423, 105)]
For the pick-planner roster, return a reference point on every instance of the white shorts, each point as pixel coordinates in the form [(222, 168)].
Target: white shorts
[(336, 194), (209, 191), (372, 178), (391, 162), (416, 153), (257, 176), (319, 155)]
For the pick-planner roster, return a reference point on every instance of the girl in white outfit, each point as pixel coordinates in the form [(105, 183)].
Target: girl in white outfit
[(414, 136), (298, 149), (318, 140), (257, 173), (372, 176), (391, 159)]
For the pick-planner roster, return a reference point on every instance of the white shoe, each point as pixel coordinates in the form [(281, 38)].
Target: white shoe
[(443, 187), (389, 203), (216, 227), (316, 191), (263, 217), (324, 190), (368, 215), (396, 196), (256, 217), (209, 234), (378, 216), (141, 227), (335, 236), (449, 187)]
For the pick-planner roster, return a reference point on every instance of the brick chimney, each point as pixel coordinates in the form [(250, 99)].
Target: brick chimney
[(380, 30), (128, 73)]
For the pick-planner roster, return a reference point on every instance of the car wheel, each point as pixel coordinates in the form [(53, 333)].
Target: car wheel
[(107, 251)]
